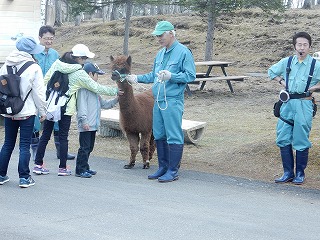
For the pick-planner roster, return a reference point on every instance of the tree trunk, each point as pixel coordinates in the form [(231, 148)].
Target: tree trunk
[(46, 12), (152, 10), (289, 4), (78, 20), (127, 28), (114, 12), (307, 4), (104, 14), (209, 49), (160, 9), (58, 10)]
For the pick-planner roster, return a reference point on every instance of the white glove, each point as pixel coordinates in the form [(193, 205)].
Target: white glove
[(164, 75), (132, 78)]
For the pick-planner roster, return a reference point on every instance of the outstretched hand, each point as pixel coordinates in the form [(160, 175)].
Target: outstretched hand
[(132, 78)]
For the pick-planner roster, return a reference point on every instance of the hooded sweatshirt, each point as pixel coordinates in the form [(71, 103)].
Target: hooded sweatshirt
[(31, 78), (78, 78)]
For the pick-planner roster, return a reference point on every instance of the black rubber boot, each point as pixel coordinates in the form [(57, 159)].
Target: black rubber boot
[(163, 159), (301, 164), (175, 155), (57, 143), (287, 163)]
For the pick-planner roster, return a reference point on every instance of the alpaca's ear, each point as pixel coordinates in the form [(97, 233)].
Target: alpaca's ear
[(111, 58), (129, 60)]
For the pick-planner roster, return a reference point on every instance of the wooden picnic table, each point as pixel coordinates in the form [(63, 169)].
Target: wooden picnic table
[(208, 75)]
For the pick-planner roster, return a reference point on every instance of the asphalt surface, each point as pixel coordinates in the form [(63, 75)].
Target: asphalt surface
[(123, 204)]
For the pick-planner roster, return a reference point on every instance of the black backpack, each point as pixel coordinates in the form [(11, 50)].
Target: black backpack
[(56, 95), (58, 82), (10, 99)]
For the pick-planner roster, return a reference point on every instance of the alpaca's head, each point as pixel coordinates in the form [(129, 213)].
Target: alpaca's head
[(120, 67)]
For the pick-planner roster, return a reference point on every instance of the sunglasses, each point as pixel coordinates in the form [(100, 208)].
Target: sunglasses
[(84, 58)]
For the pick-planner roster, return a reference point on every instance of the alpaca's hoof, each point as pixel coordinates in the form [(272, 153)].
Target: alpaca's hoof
[(128, 166), (146, 165)]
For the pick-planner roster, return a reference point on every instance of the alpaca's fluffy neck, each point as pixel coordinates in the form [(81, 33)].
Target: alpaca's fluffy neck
[(127, 101)]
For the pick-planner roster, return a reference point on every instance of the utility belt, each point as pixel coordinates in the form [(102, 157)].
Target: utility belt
[(284, 96)]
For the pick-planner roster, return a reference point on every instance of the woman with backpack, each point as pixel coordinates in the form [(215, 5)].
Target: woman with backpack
[(31, 82), (70, 63)]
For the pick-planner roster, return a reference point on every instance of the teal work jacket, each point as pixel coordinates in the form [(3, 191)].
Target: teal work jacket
[(179, 61)]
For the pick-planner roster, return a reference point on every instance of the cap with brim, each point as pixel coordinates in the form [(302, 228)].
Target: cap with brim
[(93, 68), (29, 45), (162, 27), (81, 50)]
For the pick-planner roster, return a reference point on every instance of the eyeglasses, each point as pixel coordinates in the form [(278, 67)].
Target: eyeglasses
[(84, 58), (48, 38)]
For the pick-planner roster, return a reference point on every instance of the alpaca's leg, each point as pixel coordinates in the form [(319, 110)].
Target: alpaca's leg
[(152, 147), (144, 149), (134, 148)]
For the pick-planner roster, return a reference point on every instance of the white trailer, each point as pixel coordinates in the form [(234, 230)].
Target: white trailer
[(18, 18)]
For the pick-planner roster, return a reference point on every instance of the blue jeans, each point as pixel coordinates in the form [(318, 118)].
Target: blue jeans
[(86, 140), (11, 132), (64, 126)]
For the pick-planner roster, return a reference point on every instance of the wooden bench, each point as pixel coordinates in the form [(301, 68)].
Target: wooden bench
[(110, 127), (203, 79)]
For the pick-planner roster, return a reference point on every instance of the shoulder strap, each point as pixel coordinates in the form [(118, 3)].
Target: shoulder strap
[(310, 74), (21, 70), (24, 67), (288, 69), (24, 100), (286, 121)]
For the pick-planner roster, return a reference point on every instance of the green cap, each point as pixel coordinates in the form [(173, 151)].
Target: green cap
[(161, 27)]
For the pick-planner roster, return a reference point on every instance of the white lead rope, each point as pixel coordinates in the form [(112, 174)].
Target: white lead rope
[(157, 100), (164, 93)]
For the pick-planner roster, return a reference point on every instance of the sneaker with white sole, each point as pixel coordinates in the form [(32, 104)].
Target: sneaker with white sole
[(92, 172), (4, 179), (64, 172), (26, 182), (39, 169), (84, 175)]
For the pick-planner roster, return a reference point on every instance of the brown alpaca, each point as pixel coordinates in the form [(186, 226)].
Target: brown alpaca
[(135, 113)]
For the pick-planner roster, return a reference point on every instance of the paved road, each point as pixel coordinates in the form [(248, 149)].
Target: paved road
[(123, 204)]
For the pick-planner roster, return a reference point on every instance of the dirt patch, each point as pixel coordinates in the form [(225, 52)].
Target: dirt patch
[(240, 136)]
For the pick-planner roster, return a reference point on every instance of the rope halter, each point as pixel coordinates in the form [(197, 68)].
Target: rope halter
[(122, 77)]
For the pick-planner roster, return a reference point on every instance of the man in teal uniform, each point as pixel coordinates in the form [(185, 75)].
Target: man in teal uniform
[(45, 60), (293, 132), (173, 68)]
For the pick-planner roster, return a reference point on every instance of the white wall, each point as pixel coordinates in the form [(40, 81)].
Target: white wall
[(18, 17)]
